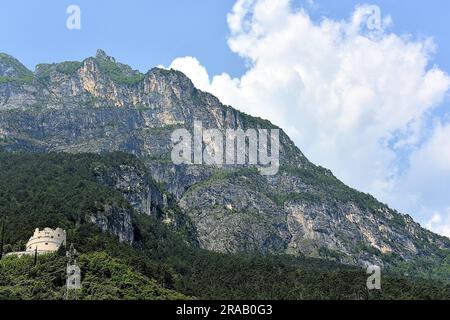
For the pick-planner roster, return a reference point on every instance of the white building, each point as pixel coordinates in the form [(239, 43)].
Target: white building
[(44, 241), (47, 240)]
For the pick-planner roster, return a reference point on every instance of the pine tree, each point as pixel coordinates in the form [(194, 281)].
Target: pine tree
[(2, 238)]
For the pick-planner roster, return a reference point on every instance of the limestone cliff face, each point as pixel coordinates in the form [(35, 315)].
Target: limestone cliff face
[(100, 105), (136, 186), (116, 221)]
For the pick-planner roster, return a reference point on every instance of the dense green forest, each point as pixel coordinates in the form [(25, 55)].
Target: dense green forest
[(103, 278), (61, 190)]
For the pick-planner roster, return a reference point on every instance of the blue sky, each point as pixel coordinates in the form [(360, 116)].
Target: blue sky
[(392, 145), (146, 33), (141, 33)]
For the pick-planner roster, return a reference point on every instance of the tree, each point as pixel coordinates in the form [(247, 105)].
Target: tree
[(35, 256), (2, 238)]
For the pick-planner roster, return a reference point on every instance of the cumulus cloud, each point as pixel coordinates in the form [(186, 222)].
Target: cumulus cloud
[(354, 97), (440, 223), (192, 67), (425, 186)]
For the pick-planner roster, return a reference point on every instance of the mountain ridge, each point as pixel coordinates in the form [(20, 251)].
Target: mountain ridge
[(99, 105)]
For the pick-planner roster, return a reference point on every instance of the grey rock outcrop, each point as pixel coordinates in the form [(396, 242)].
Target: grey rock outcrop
[(99, 105)]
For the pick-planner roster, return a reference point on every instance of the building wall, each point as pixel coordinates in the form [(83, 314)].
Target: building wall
[(46, 240)]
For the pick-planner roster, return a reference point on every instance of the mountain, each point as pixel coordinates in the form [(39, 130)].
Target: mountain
[(100, 106), (155, 260)]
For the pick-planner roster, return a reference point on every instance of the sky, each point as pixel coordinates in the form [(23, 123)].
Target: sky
[(360, 91)]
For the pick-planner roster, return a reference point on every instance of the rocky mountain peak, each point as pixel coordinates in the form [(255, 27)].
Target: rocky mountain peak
[(12, 68), (174, 79), (101, 55), (101, 105)]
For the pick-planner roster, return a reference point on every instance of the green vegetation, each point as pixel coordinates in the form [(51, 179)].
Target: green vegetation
[(19, 81), (68, 68), (119, 73), (325, 186), (50, 190), (103, 278), (115, 71), (425, 268), (22, 74), (21, 279), (2, 238), (220, 175), (331, 188), (43, 72), (256, 122)]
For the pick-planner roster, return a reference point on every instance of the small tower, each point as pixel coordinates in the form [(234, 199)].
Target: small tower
[(73, 276), (73, 282)]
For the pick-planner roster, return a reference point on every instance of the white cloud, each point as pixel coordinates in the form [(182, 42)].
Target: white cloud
[(425, 186), (440, 223), (353, 99), (192, 67), (434, 155)]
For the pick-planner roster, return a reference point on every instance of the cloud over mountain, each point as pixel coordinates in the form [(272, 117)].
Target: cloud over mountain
[(354, 98)]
